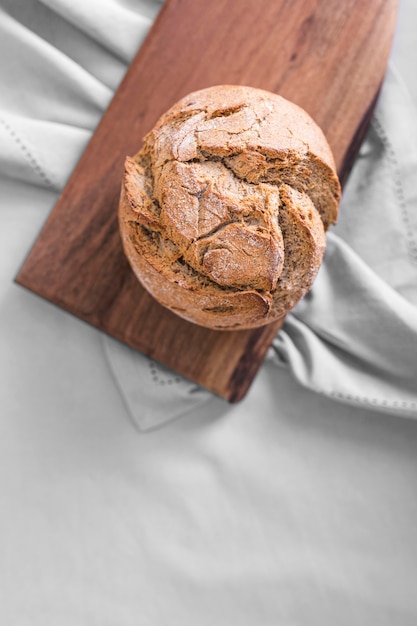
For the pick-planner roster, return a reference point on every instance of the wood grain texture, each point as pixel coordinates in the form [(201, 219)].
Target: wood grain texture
[(328, 56)]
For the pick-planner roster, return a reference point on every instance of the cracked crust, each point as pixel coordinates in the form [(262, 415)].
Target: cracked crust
[(223, 210)]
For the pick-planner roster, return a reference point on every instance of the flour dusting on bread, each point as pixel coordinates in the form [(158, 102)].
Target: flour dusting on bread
[(224, 209)]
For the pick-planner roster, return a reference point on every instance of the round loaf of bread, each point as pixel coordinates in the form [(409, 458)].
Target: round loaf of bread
[(224, 209)]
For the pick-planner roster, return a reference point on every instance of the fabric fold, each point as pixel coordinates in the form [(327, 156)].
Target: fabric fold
[(69, 94), (354, 338), (39, 152), (153, 394), (119, 27)]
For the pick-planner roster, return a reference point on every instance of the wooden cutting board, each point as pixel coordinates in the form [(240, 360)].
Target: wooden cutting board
[(329, 56)]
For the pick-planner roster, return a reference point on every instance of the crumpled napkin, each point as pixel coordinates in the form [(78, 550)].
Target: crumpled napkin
[(354, 337), (153, 393)]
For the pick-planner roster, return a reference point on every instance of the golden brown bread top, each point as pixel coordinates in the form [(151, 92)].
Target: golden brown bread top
[(223, 210)]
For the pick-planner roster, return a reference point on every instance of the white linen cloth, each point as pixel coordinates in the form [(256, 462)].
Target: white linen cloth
[(296, 506)]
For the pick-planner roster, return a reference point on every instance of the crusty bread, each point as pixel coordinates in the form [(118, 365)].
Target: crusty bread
[(223, 211)]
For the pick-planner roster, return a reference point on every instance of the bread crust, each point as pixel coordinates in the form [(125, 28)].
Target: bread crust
[(223, 211)]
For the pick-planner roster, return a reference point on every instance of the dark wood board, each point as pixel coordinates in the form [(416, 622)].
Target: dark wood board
[(329, 56)]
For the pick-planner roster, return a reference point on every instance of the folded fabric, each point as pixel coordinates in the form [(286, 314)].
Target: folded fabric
[(153, 393), (354, 338)]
